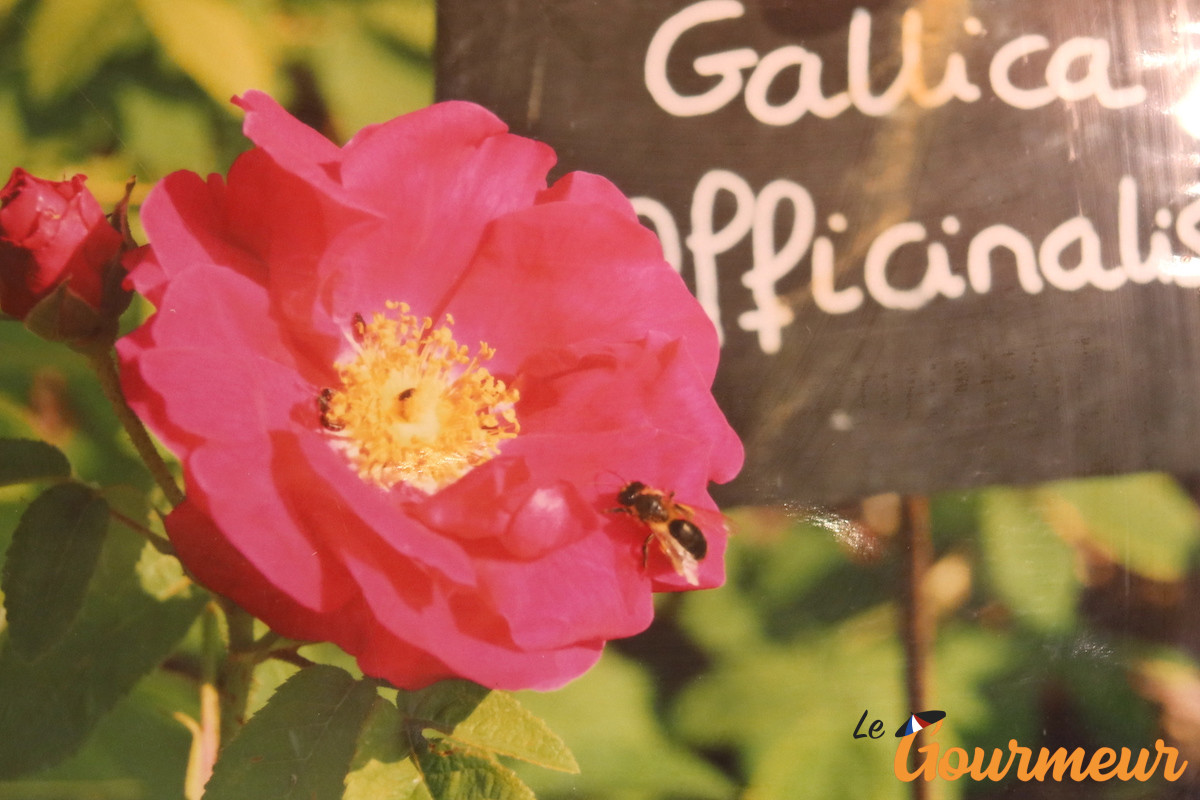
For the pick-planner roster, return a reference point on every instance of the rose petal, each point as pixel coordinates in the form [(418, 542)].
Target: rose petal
[(607, 275)]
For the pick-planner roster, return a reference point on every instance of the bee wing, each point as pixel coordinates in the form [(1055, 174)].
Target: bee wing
[(688, 512), (684, 562), (709, 520)]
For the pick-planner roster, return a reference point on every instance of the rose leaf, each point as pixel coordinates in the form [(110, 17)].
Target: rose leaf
[(300, 744), (452, 774), (396, 761), (53, 555), (492, 721), (1027, 566), (382, 768), (1145, 522), (49, 706), (27, 460), (66, 42), (186, 33)]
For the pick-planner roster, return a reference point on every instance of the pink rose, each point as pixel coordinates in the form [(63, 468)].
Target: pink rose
[(408, 380), (52, 233)]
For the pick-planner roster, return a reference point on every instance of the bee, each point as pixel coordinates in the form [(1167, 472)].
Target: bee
[(323, 401), (670, 525)]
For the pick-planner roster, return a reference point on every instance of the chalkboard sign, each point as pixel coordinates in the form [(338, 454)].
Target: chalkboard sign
[(946, 244)]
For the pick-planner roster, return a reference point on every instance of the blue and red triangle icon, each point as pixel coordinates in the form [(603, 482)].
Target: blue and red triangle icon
[(921, 719)]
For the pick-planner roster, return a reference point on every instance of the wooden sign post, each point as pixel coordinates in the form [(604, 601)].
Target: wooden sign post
[(946, 244)]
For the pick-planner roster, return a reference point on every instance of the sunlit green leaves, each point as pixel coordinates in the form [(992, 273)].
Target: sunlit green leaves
[(365, 78), (67, 41), (469, 715), (382, 768), (1144, 522), (1032, 570), (608, 718), (218, 43), (136, 752), (324, 733), (395, 762), (790, 712), (162, 131), (450, 774), (49, 564), (49, 706), (409, 22)]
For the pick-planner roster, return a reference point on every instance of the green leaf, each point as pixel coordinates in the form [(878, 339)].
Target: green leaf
[(382, 768), (162, 131), (6, 7), (216, 43), (410, 22), (760, 696), (300, 744), (14, 417), (789, 712), (608, 716), (451, 774), (828, 763), (470, 725), (1145, 522), (363, 79), (137, 746), (268, 677), (1029, 566), (68, 40), (50, 561), (48, 708), (28, 460), (492, 721)]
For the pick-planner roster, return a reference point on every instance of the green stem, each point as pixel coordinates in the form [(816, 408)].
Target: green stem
[(210, 707), (237, 673), (110, 382), (157, 542)]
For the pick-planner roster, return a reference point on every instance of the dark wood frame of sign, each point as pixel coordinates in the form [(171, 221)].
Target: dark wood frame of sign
[(942, 252)]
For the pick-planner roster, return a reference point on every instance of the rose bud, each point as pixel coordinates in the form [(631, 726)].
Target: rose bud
[(60, 267)]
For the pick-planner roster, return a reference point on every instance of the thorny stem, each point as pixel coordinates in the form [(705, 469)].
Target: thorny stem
[(918, 618), (110, 382)]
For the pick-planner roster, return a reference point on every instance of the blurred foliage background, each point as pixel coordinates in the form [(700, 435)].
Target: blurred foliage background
[(1065, 614)]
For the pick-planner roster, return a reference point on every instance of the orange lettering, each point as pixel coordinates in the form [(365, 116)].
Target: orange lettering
[(1169, 771), (993, 771), (1139, 772), (1103, 765), (949, 773), (1059, 760), (928, 768), (1101, 759), (1023, 773)]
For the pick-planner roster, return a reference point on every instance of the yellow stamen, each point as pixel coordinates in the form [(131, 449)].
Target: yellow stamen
[(414, 406)]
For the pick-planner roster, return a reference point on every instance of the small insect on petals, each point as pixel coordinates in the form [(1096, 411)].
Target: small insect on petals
[(323, 400), (670, 525), (358, 327)]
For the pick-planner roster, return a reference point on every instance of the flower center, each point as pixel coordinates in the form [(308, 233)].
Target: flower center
[(414, 406)]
